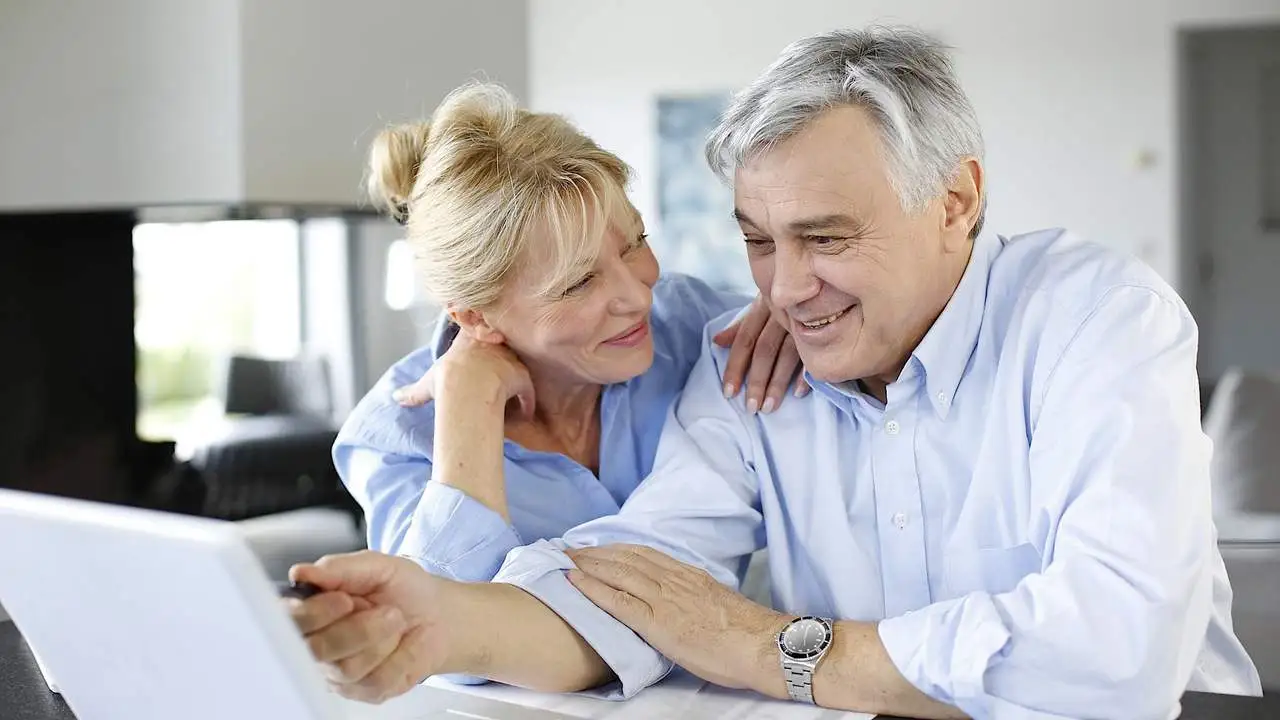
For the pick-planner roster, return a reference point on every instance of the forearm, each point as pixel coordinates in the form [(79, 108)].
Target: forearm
[(856, 674), (520, 641), (469, 437)]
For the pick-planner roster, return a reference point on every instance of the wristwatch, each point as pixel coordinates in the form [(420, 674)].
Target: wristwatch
[(802, 644)]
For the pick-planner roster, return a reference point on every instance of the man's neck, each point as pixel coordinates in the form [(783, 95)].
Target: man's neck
[(877, 385)]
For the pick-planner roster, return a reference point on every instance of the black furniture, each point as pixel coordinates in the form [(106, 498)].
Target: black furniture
[(24, 696)]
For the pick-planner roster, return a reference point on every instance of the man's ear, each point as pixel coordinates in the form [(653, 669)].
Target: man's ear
[(963, 203), (476, 326)]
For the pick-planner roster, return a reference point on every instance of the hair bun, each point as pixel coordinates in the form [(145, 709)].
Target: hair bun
[(394, 160)]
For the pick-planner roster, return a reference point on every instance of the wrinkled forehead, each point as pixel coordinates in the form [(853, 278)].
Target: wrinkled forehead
[(835, 164)]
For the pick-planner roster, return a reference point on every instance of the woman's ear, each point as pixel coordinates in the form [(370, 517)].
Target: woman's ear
[(476, 326)]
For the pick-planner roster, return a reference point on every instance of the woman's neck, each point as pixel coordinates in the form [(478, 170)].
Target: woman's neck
[(566, 420), (565, 405)]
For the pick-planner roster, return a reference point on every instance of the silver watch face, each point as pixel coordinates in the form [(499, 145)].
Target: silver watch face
[(805, 638)]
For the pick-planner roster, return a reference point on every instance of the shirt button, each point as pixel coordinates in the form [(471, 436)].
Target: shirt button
[(943, 399), (892, 427), (900, 520)]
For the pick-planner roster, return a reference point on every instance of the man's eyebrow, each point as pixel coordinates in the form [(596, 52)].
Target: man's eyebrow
[(820, 222), (742, 218), (824, 222)]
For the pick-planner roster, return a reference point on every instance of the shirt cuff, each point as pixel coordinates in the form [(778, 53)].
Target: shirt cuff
[(456, 536), (945, 649), (538, 569)]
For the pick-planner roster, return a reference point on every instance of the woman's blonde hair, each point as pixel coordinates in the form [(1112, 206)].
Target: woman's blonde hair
[(480, 178)]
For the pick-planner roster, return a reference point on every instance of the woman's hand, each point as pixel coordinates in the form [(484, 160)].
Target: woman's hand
[(762, 352), (474, 385), (474, 369)]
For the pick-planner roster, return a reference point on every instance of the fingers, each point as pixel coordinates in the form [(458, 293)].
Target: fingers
[(357, 633), (744, 344), (526, 401), (725, 337), (622, 567), (359, 666), (358, 573), (764, 360), (624, 607), (783, 374), (320, 611), (392, 677), (417, 394), (656, 562)]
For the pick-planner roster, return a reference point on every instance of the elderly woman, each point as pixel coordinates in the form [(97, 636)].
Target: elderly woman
[(538, 405)]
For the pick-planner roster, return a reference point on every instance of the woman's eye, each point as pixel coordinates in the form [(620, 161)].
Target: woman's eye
[(641, 240), (580, 285)]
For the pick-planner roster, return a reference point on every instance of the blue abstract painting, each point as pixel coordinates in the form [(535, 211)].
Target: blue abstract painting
[(699, 235)]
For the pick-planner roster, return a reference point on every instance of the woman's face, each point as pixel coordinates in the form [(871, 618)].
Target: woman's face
[(596, 328)]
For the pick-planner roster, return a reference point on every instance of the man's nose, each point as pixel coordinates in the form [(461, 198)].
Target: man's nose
[(793, 278)]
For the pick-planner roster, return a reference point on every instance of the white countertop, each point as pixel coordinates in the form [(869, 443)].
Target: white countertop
[(679, 696)]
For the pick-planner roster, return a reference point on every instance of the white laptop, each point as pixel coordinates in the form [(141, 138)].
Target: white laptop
[(152, 616)]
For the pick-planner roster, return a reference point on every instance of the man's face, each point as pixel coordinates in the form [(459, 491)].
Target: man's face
[(855, 278)]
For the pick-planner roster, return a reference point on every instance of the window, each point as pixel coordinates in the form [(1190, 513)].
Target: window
[(206, 291)]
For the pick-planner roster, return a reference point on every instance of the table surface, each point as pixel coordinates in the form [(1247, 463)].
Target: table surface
[(24, 696)]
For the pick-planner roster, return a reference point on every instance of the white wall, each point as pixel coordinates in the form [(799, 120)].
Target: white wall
[(118, 103), (321, 78), (1070, 95), (153, 102)]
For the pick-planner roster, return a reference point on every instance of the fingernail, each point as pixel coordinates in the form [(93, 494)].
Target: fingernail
[(574, 576), (769, 405), (729, 390), (398, 395), (753, 405)]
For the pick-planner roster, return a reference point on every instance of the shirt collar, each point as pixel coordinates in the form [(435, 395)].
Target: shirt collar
[(446, 330), (946, 348)]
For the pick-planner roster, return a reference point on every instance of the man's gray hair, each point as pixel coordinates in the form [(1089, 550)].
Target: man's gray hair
[(903, 77)]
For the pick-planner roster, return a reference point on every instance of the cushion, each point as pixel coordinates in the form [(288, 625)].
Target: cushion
[(1243, 422)]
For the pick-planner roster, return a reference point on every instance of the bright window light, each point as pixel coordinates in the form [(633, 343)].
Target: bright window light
[(400, 291), (205, 291)]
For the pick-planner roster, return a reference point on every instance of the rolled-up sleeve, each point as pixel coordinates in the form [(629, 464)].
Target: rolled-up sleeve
[(700, 505), (1113, 624), (441, 528)]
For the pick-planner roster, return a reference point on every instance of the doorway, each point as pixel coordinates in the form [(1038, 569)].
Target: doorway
[(1229, 249)]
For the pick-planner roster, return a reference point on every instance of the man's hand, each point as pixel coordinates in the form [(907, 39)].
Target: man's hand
[(763, 354), (683, 613), (382, 626)]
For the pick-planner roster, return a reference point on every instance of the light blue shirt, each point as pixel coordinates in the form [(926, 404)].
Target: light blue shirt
[(383, 452), (1027, 516)]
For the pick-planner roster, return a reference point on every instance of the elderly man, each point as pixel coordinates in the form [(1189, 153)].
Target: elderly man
[(996, 502)]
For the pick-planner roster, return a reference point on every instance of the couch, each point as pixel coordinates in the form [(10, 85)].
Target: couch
[(1243, 421)]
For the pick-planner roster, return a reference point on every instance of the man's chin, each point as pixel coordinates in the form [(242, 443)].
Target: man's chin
[(829, 375), (828, 365)]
